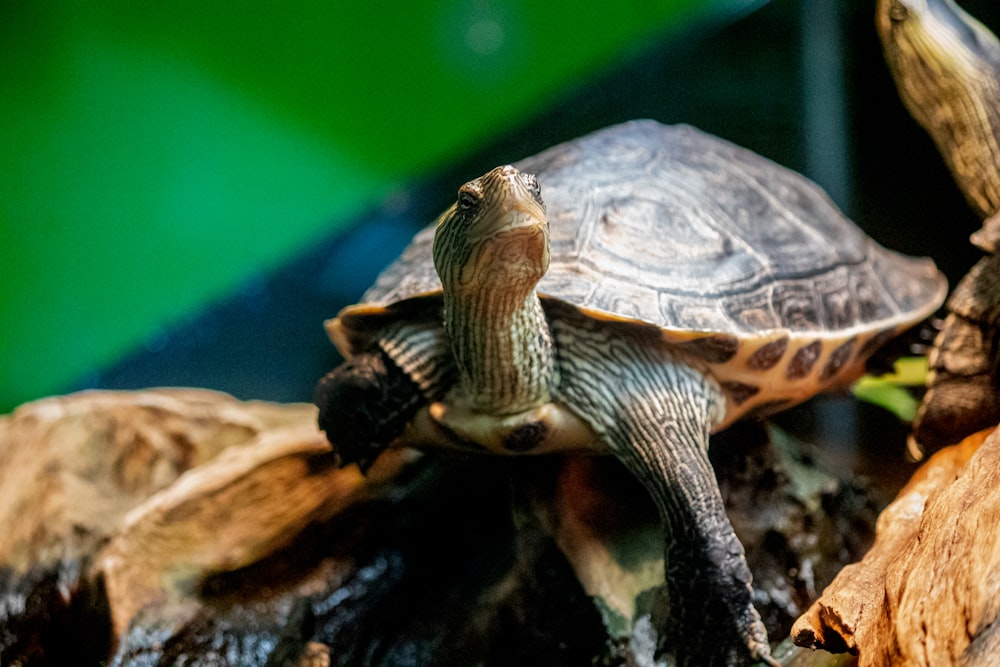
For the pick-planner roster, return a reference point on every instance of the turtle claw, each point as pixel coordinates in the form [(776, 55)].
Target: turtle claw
[(712, 605), (767, 659), (756, 640)]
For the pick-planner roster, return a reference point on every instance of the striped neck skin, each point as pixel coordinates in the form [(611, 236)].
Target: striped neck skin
[(503, 349), (490, 250)]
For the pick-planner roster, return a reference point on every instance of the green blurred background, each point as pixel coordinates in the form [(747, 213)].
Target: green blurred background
[(153, 155), (188, 189)]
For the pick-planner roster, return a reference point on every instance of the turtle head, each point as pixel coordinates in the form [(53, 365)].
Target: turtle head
[(936, 31), (495, 236)]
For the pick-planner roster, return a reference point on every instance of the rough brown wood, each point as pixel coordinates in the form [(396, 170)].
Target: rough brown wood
[(73, 465), (235, 511), (116, 503), (928, 592)]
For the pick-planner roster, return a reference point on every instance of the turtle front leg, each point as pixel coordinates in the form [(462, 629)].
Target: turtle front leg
[(656, 415), (665, 444), (367, 402)]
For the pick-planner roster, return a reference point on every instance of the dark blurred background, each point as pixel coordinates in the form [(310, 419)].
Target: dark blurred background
[(186, 193)]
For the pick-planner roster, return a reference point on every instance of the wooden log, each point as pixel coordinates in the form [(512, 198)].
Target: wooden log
[(928, 592), (116, 503), (73, 465)]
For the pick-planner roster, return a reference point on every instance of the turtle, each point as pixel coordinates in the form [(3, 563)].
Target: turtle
[(946, 66), (629, 293)]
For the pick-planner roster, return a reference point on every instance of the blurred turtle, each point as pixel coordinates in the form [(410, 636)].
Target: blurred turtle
[(947, 69)]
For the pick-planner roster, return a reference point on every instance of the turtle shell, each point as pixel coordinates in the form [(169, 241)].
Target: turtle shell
[(741, 262)]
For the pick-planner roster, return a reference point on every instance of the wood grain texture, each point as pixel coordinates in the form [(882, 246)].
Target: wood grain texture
[(83, 461), (928, 592), (133, 500)]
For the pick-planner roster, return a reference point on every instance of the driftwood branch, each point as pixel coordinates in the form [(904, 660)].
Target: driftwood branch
[(928, 592)]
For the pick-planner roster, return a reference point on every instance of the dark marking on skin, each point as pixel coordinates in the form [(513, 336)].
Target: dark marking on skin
[(739, 392), (838, 358), (767, 355), (715, 349), (803, 361), (525, 437)]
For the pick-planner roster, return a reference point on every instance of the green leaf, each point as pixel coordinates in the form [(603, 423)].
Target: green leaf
[(890, 391)]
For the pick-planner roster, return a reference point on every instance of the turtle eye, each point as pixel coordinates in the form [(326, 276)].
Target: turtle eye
[(533, 187), (468, 198)]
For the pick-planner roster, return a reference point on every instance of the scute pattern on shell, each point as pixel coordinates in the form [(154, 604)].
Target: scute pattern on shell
[(677, 228)]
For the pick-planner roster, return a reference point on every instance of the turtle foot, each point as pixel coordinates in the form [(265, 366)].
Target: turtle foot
[(725, 647), (712, 609), (364, 404)]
